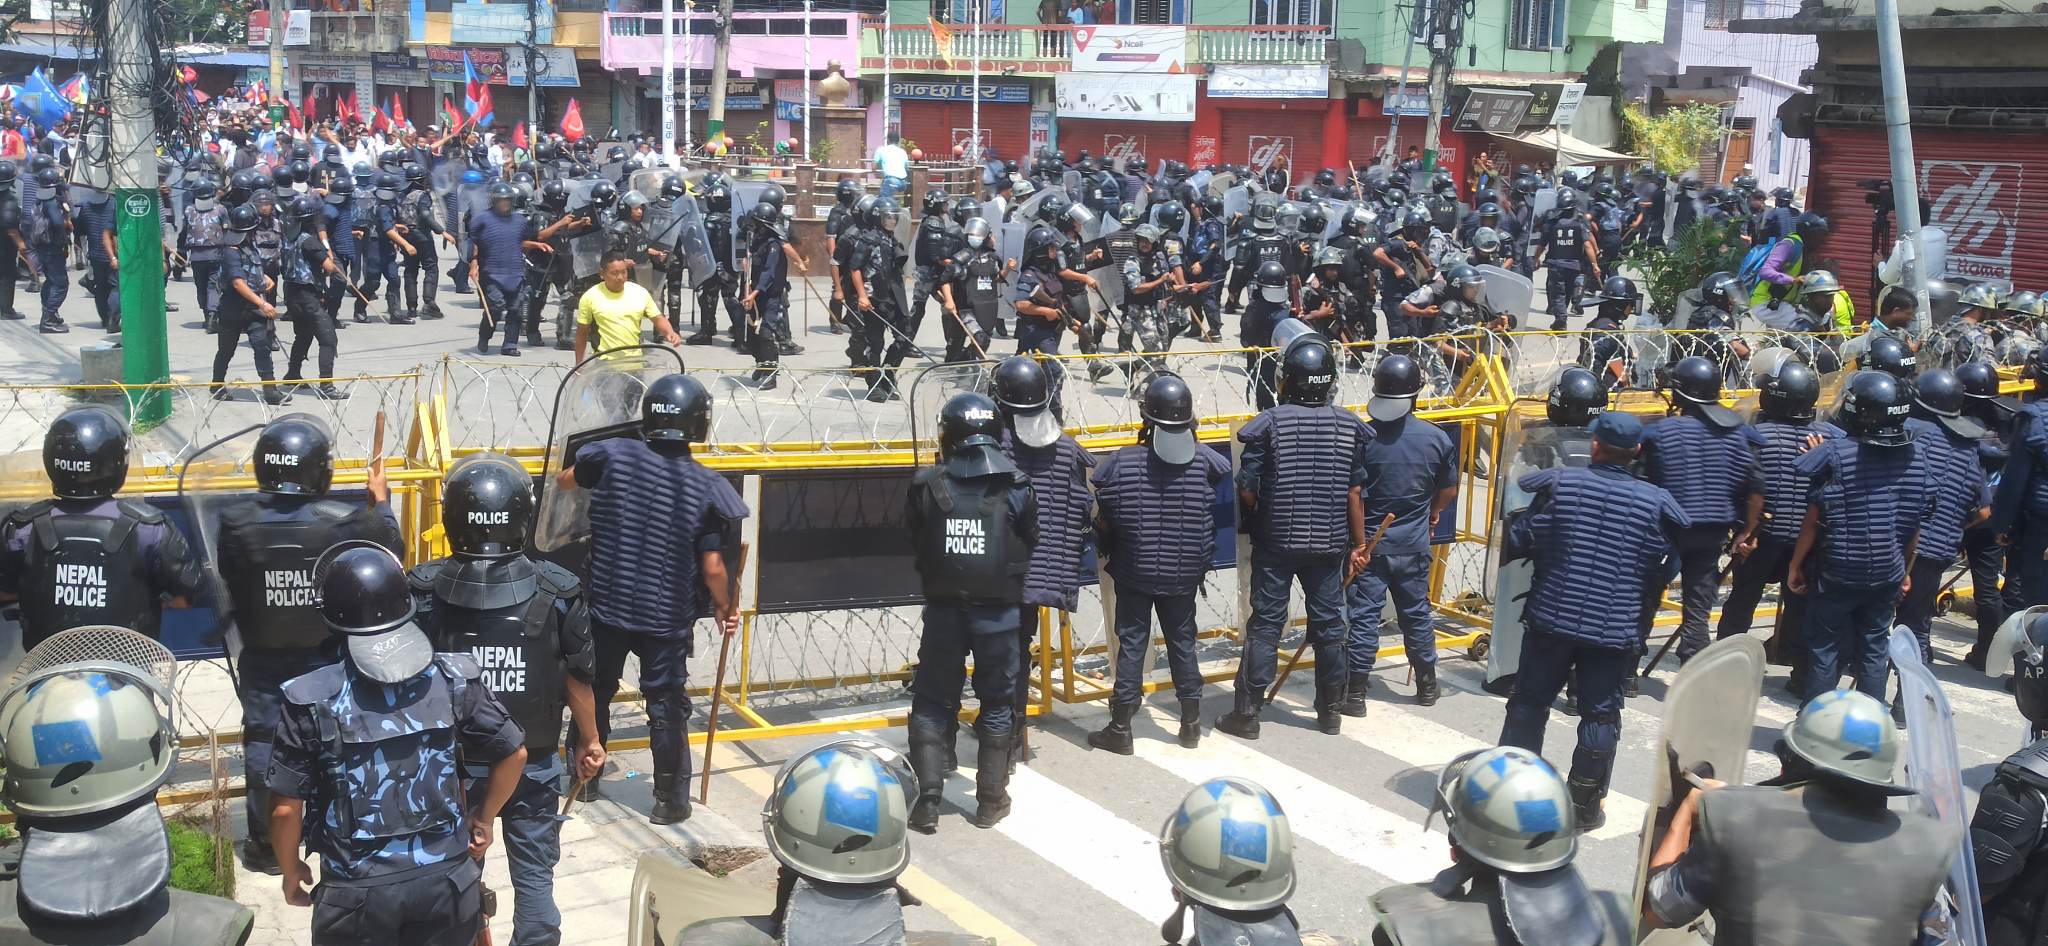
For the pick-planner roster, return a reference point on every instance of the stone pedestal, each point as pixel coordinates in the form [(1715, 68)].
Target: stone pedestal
[(847, 129)]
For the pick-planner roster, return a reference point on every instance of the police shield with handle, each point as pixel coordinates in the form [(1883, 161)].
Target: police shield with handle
[(525, 624), (262, 550), (599, 398), (973, 522), (366, 769), (85, 557), (2010, 827), (1935, 771), (1765, 860), (1558, 442), (86, 725), (1512, 881), (1229, 853)]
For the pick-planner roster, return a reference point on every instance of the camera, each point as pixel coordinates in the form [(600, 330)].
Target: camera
[(1880, 193)]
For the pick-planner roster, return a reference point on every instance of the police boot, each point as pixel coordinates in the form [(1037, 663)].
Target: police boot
[(668, 807), (1240, 724), (1425, 684), (883, 386), (1116, 737), (1190, 724), (992, 779), (928, 758), (1586, 807), (1356, 685), (259, 858)]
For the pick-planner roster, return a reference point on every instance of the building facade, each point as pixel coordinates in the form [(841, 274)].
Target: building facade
[(1749, 75)]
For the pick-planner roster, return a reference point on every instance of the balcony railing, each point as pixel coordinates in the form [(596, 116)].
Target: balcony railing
[(1007, 43), (759, 40)]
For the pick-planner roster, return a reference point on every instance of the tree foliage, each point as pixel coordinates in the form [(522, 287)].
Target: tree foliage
[(205, 21), (1698, 251), (1672, 140)]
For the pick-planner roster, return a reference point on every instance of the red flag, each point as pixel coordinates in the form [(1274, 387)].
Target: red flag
[(397, 112), (380, 121), (292, 113), (572, 122), (519, 135), (188, 75), (454, 117), (355, 111)]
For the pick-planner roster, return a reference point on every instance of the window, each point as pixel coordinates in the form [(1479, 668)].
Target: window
[(1719, 12), (965, 11), (1151, 11), (1538, 24), (1281, 12)]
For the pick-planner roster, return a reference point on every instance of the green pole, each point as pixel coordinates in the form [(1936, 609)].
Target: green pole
[(145, 350)]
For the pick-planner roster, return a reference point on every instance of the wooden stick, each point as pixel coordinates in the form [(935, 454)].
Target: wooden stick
[(338, 274), (1349, 576), (569, 803), (711, 721)]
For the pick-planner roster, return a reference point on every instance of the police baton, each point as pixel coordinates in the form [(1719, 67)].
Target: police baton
[(338, 274), (1349, 576), (490, 321), (718, 685)]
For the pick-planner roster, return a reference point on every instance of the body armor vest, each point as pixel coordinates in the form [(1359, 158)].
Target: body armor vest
[(1870, 506), (1303, 507), (1703, 466), (1163, 517), (1058, 474), (967, 552), (86, 569), (934, 242), (645, 501), (270, 575), (1601, 540), (503, 613)]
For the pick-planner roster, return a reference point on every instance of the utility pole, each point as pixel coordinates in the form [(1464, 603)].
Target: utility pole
[(806, 156), (280, 17), (1898, 129), (145, 356), (714, 124), (1401, 100), (1447, 28), (532, 72), (668, 81)]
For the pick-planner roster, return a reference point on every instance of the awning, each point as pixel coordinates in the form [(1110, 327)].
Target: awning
[(1553, 141)]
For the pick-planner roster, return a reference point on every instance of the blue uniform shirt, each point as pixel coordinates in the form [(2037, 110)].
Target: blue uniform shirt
[(1873, 501), (1034, 333), (496, 241), (340, 220), (2023, 485), (1950, 463), (94, 220), (1406, 463)]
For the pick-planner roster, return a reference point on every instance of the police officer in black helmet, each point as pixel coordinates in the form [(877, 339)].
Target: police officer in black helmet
[(1705, 456), (1298, 482), (86, 557), (2019, 508), (661, 527), (842, 225), (268, 547), (1787, 426), (526, 625), (1870, 498), (1981, 548), (973, 522), (1057, 468), (1946, 439), (1157, 534), (2010, 828), (365, 770)]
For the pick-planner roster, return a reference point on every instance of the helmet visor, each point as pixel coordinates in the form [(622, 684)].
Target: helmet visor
[(1174, 445), (391, 656), (1035, 428)]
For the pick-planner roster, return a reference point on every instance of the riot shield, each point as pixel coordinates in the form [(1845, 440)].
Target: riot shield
[(930, 390), (1708, 713), (1336, 211), (215, 476), (471, 200), (1028, 210), (692, 241), (1998, 661), (1070, 181), (599, 399), (1508, 293), (1116, 247), (1009, 239), (1542, 202), (1237, 201), (586, 247), (1220, 184), (1933, 768), (1539, 445)]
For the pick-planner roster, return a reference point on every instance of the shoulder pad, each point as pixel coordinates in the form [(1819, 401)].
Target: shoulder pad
[(2029, 765), (560, 582), (422, 575), (31, 511), (924, 476), (315, 686), (140, 512), (460, 665), (1539, 480), (333, 509), (1018, 478), (1087, 459)]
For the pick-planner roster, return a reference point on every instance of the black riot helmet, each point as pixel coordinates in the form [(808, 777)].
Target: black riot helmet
[(717, 197), (486, 505), (677, 409), (554, 194), (547, 149), (304, 208), (502, 191), (8, 172), (281, 177), (1619, 298), (1167, 408), (85, 453), (388, 185), (1172, 216), (1939, 395), (1037, 241), (965, 209), (1308, 370), (294, 456), (1890, 356), (1979, 380), (1272, 280), (1567, 199), (1575, 398), (243, 183), (301, 172), (674, 186), (1488, 212), (1326, 177), (1212, 206), (603, 194), (2030, 669), (362, 590), (847, 191), (243, 218), (1396, 383), (1720, 291), (1874, 408), (968, 420), (1020, 383), (40, 161), (1266, 215), (1695, 379), (1415, 223), (935, 201), (1053, 207), (339, 188), (1790, 393), (415, 173), (773, 195), (882, 214)]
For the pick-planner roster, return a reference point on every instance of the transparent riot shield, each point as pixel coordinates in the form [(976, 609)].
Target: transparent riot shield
[(599, 399), (1708, 713), (1088, 223), (1934, 767), (1336, 211), (1542, 202), (1536, 445), (1508, 293), (1070, 181), (1220, 184), (586, 247), (691, 241), (214, 477), (1237, 201), (931, 389), (1028, 210), (1009, 239)]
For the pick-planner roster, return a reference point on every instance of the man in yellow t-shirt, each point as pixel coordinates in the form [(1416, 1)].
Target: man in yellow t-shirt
[(615, 308)]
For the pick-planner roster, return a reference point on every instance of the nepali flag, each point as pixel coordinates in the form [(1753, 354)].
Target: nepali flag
[(572, 122), (476, 94)]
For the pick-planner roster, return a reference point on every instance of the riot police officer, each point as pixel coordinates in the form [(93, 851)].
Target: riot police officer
[(16, 257), (1601, 541), (365, 770), (1265, 244), (724, 284), (1272, 302), (1512, 882), (268, 547), (1786, 427), (2010, 826), (1056, 467), (86, 557), (244, 308), (1358, 239), (1298, 483), (935, 242), (970, 293), (1981, 549), (2019, 508), (1411, 475), (1404, 265), (1765, 859), (419, 224), (96, 862), (1229, 853), (525, 624), (840, 225), (1871, 498), (838, 871), (1207, 264), (973, 524), (661, 526), (1605, 350), (308, 264), (498, 239), (1705, 456), (1568, 253), (1946, 440), (384, 243), (1157, 532), (876, 277), (48, 229)]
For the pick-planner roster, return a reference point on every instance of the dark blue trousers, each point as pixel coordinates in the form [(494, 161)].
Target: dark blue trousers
[(260, 676), (1846, 630), (1322, 590), (1134, 610), (56, 281), (664, 675), (1406, 577), (532, 830), (953, 631), (1548, 658)]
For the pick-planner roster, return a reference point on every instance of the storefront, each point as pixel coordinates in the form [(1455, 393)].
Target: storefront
[(938, 113), (1370, 127)]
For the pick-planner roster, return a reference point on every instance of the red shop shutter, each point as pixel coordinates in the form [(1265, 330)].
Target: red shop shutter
[(1977, 187), (935, 126), (1155, 140), (1295, 132)]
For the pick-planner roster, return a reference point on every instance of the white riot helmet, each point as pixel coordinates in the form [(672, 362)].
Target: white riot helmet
[(1508, 809), (1228, 847), (839, 813), (1848, 736)]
